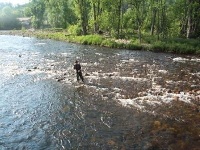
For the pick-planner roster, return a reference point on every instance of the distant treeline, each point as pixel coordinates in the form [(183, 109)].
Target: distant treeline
[(128, 19), (9, 15)]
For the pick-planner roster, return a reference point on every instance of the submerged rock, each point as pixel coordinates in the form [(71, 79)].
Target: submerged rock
[(87, 74), (157, 124)]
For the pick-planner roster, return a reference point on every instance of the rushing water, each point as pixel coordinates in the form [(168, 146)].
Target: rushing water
[(130, 99)]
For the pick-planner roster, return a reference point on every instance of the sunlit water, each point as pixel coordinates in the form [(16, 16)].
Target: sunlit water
[(130, 99)]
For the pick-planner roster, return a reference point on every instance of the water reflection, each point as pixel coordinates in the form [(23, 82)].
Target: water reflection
[(130, 99)]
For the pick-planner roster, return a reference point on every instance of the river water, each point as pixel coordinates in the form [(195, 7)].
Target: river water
[(130, 99)]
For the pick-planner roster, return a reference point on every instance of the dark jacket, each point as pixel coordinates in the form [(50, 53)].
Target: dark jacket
[(77, 67)]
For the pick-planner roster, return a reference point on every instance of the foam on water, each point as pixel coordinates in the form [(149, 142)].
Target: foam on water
[(195, 59), (39, 43), (180, 59), (151, 99), (163, 71), (156, 95), (65, 54)]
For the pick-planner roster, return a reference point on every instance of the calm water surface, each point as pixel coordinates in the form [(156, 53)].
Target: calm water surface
[(130, 99)]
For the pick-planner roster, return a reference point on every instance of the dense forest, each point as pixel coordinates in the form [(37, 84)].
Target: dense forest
[(141, 21)]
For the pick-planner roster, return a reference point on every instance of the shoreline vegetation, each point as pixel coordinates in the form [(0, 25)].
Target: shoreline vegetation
[(175, 45)]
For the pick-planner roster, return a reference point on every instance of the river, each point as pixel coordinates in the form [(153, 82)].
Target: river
[(130, 99)]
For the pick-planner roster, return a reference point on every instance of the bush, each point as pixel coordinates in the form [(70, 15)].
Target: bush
[(181, 46), (93, 39), (97, 39), (87, 40), (149, 39), (74, 30), (53, 29), (173, 48), (109, 43), (159, 47), (132, 46)]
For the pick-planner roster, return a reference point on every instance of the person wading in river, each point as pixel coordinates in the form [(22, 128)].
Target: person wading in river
[(77, 67)]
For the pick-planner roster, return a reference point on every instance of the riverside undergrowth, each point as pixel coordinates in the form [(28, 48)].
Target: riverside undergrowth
[(178, 46)]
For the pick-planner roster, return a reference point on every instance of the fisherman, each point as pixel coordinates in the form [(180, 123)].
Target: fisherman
[(77, 67)]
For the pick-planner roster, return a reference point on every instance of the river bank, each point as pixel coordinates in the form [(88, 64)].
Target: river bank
[(178, 46)]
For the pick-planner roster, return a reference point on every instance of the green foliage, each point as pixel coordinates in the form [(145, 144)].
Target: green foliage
[(109, 43), (90, 39), (132, 46), (9, 23), (148, 24), (8, 18), (176, 47), (23, 29), (95, 39), (7, 11), (27, 12), (58, 13), (53, 29), (74, 30), (149, 39), (37, 11), (82, 8), (180, 46)]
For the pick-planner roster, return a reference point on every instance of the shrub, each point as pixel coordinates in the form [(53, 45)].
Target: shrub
[(159, 46), (132, 46), (74, 30), (109, 43), (97, 39)]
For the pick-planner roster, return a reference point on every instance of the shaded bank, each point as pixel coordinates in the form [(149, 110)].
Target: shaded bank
[(178, 46)]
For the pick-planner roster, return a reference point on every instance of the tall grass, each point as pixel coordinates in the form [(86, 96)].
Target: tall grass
[(181, 46), (172, 46)]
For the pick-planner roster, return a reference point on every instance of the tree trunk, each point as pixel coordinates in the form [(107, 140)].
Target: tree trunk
[(193, 19), (95, 17), (119, 18), (153, 21), (189, 25), (189, 20), (183, 24), (83, 14), (158, 26), (96, 14), (140, 34), (163, 20)]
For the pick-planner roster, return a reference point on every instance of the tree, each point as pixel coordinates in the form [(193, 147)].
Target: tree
[(139, 9), (111, 16), (153, 11), (188, 16), (193, 19), (27, 12), (8, 19), (82, 8), (58, 13), (96, 12), (37, 11)]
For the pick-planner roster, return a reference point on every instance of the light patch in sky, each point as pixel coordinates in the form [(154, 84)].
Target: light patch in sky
[(15, 2)]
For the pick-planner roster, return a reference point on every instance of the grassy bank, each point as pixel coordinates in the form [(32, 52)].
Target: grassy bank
[(179, 46)]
